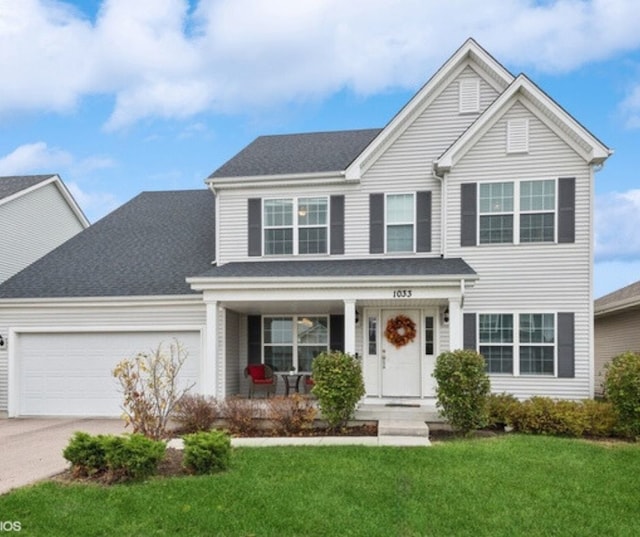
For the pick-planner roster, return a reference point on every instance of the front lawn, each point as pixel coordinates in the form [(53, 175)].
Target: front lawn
[(511, 485)]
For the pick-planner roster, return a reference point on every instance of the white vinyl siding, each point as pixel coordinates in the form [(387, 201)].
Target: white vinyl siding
[(529, 277), (32, 225), (405, 166)]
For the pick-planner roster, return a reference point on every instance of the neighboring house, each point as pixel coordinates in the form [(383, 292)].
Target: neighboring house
[(465, 222), (616, 327), (37, 214)]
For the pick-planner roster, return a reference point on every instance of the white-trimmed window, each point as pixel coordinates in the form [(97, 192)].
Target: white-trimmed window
[(290, 343), (400, 222), (294, 226), (529, 350), (469, 95), (517, 212)]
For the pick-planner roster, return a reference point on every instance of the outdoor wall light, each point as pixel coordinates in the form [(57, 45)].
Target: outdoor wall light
[(445, 316), (2, 342)]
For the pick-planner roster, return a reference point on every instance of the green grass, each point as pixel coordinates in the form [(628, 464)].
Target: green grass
[(512, 485)]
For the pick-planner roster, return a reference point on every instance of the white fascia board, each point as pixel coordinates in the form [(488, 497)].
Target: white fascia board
[(469, 53), (284, 180), (113, 301), (305, 282), (524, 90), (26, 191)]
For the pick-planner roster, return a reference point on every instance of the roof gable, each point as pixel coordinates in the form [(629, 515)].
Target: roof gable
[(469, 54), (13, 187), (546, 109)]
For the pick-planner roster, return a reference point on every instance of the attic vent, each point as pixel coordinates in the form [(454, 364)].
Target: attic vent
[(518, 136), (469, 95)]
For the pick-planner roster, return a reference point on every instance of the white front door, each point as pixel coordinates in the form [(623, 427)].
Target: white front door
[(401, 371)]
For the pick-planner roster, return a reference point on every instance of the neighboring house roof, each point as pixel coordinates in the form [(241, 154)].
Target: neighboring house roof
[(297, 154), (146, 247), (341, 268), (15, 186), (626, 298)]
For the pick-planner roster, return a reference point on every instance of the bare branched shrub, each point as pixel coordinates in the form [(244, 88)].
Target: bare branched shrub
[(195, 413), (151, 389), (240, 415), (290, 415)]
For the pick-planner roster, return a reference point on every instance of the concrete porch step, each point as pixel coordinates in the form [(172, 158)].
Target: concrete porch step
[(411, 428), (397, 413)]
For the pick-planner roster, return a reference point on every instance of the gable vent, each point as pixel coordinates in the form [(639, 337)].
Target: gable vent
[(469, 95), (518, 136)]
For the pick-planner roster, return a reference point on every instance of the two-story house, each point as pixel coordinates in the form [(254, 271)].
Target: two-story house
[(465, 222)]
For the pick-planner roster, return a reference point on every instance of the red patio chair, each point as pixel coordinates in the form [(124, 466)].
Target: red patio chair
[(261, 378), (308, 383)]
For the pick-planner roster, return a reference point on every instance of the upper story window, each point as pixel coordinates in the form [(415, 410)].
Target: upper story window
[(399, 222), (534, 203), (296, 226)]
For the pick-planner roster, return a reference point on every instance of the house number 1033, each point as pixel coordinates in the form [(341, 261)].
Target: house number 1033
[(402, 293)]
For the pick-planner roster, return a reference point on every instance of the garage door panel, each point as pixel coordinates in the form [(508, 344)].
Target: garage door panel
[(70, 373)]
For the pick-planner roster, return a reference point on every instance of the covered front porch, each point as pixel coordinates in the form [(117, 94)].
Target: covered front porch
[(286, 320)]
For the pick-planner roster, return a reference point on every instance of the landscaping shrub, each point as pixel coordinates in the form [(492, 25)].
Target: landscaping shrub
[(206, 452), (120, 458), (463, 387), (132, 457), (290, 415), (196, 413), (151, 390), (601, 418), (542, 415), (622, 388), (86, 454), (338, 386), (499, 408), (239, 414)]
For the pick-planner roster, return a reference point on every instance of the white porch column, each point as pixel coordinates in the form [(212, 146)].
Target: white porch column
[(350, 326), (455, 324), (208, 368)]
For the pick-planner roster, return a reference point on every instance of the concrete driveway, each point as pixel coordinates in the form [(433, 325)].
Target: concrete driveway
[(31, 448)]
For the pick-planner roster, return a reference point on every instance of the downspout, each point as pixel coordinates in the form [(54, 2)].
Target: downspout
[(216, 222), (443, 212)]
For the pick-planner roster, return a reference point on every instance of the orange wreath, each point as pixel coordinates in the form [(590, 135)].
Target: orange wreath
[(400, 331)]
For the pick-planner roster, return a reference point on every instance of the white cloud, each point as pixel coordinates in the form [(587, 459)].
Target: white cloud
[(160, 58), (617, 220), (34, 158), (94, 204)]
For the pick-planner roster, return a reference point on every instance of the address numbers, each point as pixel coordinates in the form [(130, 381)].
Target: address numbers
[(402, 293)]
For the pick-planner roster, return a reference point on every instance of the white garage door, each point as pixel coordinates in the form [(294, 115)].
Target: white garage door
[(70, 374)]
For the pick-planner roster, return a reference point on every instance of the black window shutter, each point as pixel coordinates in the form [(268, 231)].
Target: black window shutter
[(423, 208), (336, 333), (376, 223), (337, 225), (469, 341), (469, 214), (566, 345), (255, 226), (254, 339), (567, 210)]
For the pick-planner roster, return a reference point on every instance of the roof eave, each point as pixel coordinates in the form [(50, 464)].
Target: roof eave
[(260, 181)]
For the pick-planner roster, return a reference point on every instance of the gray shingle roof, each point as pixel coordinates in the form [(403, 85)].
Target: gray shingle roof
[(420, 266), (15, 183), (146, 247), (629, 295), (298, 153)]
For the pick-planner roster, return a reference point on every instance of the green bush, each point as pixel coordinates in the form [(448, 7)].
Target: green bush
[(132, 457), (601, 418), (463, 387), (338, 386), (86, 454), (206, 452), (542, 415), (499, 408), (119, 458), (622, 388), (196, 413)]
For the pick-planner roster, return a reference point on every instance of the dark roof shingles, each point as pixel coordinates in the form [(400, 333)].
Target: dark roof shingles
[(146, 247), (298, 153), (13, 184), (420, 266)]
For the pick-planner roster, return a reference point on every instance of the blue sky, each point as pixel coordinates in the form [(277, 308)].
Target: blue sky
[(119, 96)]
